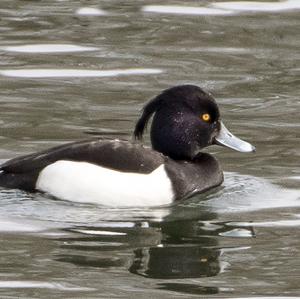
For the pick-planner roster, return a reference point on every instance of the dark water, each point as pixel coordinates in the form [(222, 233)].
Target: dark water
[(65, 75)]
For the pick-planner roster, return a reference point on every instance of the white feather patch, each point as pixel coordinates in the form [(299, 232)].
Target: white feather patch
[(89, 183)]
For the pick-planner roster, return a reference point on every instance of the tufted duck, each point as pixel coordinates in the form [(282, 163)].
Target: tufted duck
[(122, 173)]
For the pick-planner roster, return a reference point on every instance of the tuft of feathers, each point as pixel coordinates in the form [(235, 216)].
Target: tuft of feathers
[(148, 111)]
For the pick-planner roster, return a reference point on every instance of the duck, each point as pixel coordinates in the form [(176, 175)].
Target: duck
[(126, 173)]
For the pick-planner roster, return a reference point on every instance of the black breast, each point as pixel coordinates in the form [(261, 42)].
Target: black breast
[(197, 176)]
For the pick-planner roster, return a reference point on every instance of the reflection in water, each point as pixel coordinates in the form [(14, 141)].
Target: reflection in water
[(78, 73), (174, 9), (256, 6), (47, 48), (188, 288), (189, 241), (176, 262), (90, 11), (21, 284), (225, 8), (161, 250)]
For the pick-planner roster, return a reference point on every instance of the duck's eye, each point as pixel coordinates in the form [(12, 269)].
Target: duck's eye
[(206, 117)]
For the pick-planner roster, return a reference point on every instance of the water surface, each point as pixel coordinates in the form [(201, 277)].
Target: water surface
[(72, 69)]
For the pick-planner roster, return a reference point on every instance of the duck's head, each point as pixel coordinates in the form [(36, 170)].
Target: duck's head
[(186, 119)]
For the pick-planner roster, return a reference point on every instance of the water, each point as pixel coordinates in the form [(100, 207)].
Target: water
[(73, 69)]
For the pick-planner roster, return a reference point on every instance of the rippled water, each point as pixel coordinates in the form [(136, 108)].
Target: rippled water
[(72, 69)]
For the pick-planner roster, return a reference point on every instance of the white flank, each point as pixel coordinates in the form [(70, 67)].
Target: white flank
[(89, 183)]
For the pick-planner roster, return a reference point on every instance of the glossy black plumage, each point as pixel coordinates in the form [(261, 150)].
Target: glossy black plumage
[(177, 130), (120, 155), (178, 133)]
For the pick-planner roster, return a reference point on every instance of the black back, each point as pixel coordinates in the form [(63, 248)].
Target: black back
[(116, 154), (119, 155)]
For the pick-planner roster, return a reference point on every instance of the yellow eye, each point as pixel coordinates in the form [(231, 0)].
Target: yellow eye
[(206, 117)]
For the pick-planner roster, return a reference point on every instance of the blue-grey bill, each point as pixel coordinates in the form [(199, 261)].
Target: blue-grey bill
[(227, 139)]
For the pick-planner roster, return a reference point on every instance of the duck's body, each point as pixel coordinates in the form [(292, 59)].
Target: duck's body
[(111, 172), (122, 173)]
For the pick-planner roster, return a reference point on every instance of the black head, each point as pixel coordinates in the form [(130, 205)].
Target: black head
[(186, 119)]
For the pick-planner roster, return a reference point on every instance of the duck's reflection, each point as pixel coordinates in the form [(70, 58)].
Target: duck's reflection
[(188, 288), (164, 250), (176, 262)]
